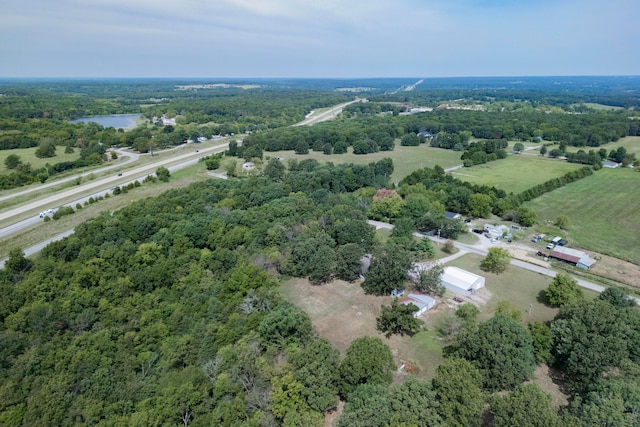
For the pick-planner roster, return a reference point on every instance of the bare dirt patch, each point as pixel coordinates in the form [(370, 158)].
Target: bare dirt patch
[(617, 269), (340, 311), (550, 382)]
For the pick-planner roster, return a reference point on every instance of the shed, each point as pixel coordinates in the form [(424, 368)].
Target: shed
[(451, 215), (573, 256), (609, 164), (422, 301), (461, 281)]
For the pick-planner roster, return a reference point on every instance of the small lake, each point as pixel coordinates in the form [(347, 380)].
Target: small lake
[(124, 121)]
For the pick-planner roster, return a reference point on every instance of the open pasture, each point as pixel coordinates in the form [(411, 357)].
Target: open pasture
[(28, 155), (516, 173), (405, 159), (603, 211)]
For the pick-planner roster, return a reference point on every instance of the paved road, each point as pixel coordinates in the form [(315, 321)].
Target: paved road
[(132, 157), (326, 115), (481, 250), (136, 173), (100, 186)]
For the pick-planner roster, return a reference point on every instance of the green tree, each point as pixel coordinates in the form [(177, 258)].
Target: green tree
[(17, 263), (479, 205), (563, 290), (163, 174), (500, 348), (398, 319), (430, 280), (617, 297), (368, 405), (518, 147), (508, 309), (468, 312), (543, 150), (12, 161), (458, 387), (317, 369), (425, 248), (589, 338), (563, 222), (274, 170), (367, 361), (388, 270), (610, 402), (46, 148), (348, 261), (527, 406), (542, 341), (496, 261), (286, 395), (284, 325)]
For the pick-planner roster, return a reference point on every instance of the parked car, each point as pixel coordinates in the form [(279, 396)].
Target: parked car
[(540, 253), (551, 246), (563, 242), (536, 239)]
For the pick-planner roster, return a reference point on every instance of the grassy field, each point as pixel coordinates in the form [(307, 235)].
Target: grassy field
[(27, 155), (603, 210), (515, 173), (405, 159), (341, 311)]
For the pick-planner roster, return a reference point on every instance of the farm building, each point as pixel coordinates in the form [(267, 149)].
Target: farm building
[(573, 256), (609, 164), (460, 281), (452, 215), (423, 302)]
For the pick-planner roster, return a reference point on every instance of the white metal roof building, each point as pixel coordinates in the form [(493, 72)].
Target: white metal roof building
[(461, 281), (423, 302)]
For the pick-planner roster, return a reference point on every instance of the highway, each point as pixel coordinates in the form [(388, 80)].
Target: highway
[(99, 187)]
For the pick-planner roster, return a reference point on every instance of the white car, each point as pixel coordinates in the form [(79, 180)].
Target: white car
[(551, 246)]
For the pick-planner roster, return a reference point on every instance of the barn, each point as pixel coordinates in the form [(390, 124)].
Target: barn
[(461, 281), (573, 256), (422, 301)]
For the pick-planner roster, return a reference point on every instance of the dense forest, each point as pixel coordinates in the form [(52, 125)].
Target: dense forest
[(167, 312)]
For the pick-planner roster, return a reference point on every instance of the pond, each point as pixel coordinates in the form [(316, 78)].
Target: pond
[(124, 121)]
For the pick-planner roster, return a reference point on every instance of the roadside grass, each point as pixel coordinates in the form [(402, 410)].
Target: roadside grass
[(603, 211), (405, 159), (28, 155), (516, 173)]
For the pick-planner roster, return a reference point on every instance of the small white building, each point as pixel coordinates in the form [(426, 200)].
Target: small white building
[(460, 281), (422, 301)]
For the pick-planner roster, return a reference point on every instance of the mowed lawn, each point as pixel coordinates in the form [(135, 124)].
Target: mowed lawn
[(516, 173), (604, 211), (28, 155), (405, 159)]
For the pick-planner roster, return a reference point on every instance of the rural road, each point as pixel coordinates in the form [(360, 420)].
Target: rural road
[(480, 250)]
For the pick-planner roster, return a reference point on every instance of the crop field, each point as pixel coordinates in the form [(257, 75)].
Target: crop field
[(405, 159), (27, 155), (516, 173), (603, 211)]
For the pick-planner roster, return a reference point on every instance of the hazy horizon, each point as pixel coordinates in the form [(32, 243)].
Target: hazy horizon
[(248, 39)]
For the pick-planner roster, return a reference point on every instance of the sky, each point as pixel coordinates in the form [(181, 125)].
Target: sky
[(318, 39)]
